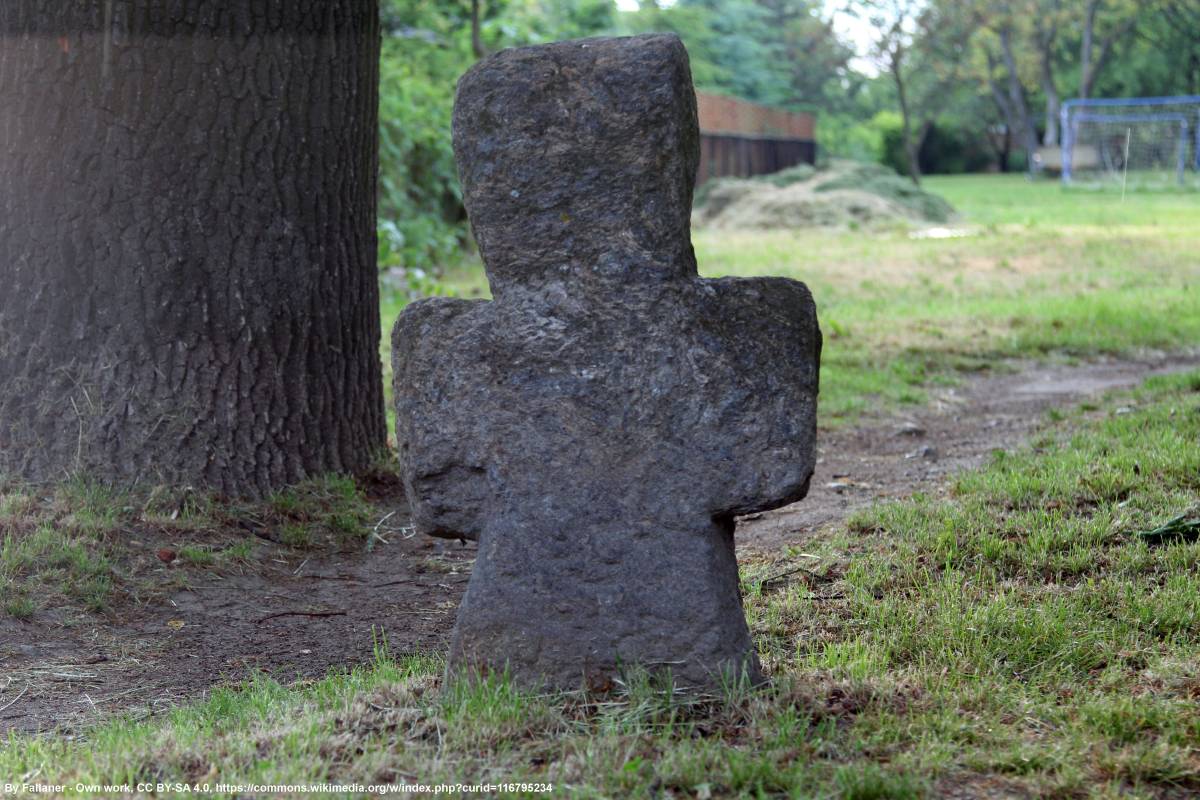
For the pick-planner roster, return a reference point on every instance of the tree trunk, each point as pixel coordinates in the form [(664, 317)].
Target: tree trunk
[(1006, 111), (911, 152), (187, 195), (1046, 37), (1050, 137), (1016, 99), (1091, 64), (1002, 145), (1003, 149), (1086, 72), (476, 34)]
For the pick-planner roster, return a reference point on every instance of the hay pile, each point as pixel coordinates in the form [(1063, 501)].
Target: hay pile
[(842, 194)]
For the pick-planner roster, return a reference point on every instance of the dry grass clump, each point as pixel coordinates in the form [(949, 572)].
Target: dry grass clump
[(840, 195)]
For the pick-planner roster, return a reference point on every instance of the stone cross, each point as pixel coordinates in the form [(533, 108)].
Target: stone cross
[(599, 423)]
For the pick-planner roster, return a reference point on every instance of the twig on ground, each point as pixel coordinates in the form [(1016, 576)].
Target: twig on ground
[(786, 573), (386, 517), (375, 537), (9, 704), (301, 614)]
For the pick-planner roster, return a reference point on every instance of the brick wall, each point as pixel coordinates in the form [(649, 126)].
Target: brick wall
[(730, 116)]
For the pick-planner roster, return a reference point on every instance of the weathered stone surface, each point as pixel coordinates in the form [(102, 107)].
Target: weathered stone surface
[(598, 425)]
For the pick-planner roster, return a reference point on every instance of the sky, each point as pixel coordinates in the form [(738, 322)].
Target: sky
[(856, 31)]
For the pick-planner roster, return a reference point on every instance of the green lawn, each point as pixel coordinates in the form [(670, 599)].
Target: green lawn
[(1045, 273), (1015, 636), (1018, 636), (1013, 199)]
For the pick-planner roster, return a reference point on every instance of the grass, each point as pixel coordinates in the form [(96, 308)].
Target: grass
[(1046, 274), (1014, 200), (72, 548), (1014, 636), (54, 549), (1019, 635)]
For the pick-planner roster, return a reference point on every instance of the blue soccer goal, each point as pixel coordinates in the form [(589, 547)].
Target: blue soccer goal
[(1140, 141)]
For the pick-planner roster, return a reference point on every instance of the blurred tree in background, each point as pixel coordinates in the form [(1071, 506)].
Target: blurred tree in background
[(779, 52), (427, 45), (957, 85)]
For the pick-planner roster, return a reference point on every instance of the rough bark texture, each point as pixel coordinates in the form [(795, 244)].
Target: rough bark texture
[(912, 151), (1047, 34), (598, 425), (1018, 102), (187, 250)]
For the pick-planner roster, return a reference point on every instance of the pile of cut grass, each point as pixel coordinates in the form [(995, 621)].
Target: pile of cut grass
[(878, 180), (838, 195), (1016, 637), (1045, 275)]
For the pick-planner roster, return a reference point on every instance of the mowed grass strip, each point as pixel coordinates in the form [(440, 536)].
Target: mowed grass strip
[(1015, 637), (1045, 273)]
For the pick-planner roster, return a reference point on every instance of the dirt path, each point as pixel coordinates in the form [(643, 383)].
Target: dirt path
[(288, 613), (898, 455), (298, 615)]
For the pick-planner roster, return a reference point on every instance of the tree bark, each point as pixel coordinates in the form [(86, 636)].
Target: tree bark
[(1006, 111), (1001, 146), (476, 33), (911, 152), (1091, 64), (1053, 105), (1045, 40), (1085, 48), (1017, 100), (187, 197)]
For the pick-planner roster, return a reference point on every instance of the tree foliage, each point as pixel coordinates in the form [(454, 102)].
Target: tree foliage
[(1027, 56), (427, 45), (778, 52), (956, 84)]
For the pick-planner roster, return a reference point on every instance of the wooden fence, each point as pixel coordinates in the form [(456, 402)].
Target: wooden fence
[(742, 156), (741, 138)]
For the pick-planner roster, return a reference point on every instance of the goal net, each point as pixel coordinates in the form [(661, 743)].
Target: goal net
[(1141, 142)]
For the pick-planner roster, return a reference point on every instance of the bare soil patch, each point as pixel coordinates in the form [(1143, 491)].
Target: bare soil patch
[(176, 631), (180, 630), (892, 456)]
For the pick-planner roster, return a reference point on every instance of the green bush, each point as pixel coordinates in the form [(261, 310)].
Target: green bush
[(946, 150), (891, 146), (843, 136), (950, 150), (420, 203)]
